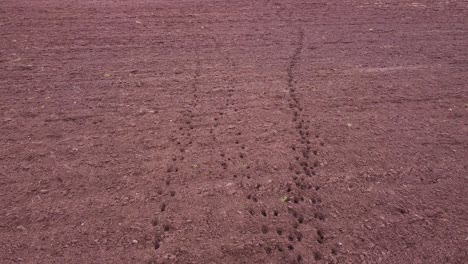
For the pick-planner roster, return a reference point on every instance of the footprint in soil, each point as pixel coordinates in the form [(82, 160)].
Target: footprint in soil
[(167, 227), (224, 165), (319, 216), (320, 237), (157, 244), (317, 255), (279, 231)]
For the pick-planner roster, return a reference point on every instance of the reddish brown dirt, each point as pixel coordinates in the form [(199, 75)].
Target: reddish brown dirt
[(234, 131)]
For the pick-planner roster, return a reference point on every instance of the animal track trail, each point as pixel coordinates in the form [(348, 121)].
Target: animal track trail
[(303, 193), (236, 150), (235, 153), (183, 138), (186, 123)]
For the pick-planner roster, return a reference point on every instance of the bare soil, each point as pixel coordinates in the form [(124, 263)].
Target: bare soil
[(289, 131)]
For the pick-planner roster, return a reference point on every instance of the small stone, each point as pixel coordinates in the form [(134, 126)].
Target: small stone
[(134, 241)]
